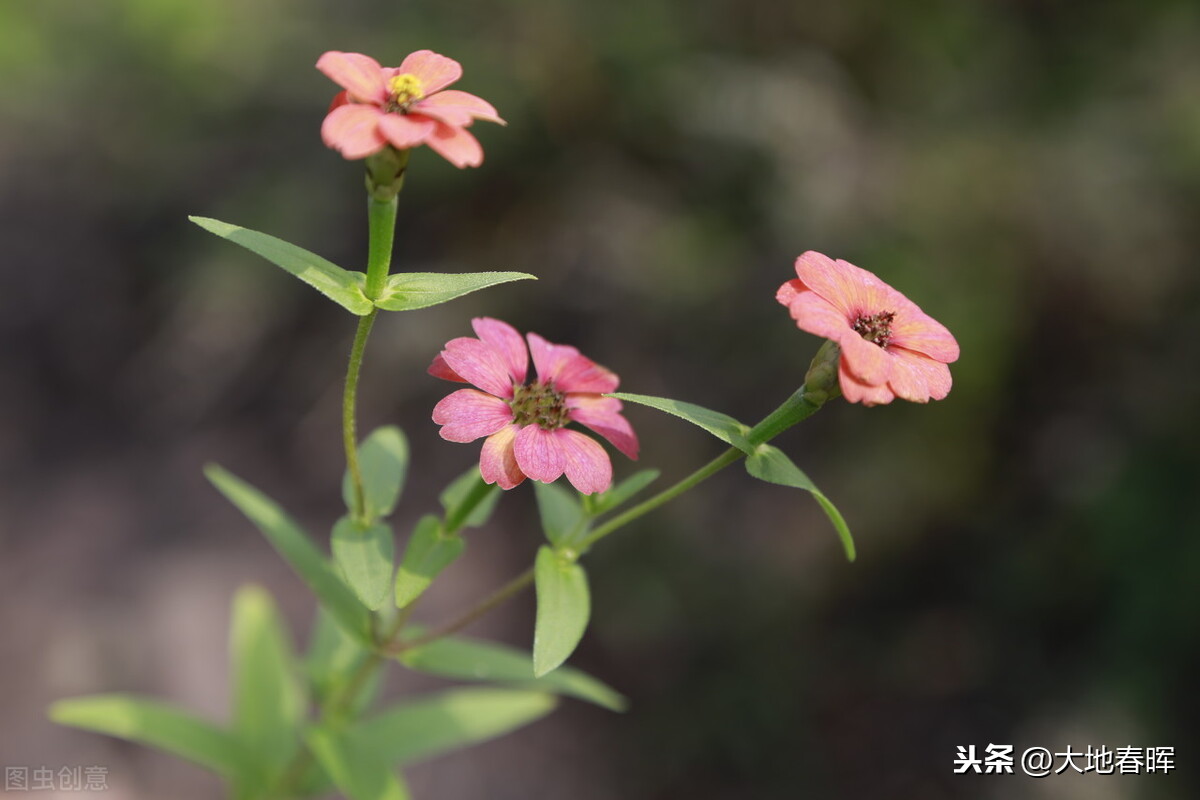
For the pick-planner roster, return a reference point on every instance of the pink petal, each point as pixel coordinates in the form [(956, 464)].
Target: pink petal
[(539, 453), (498, 462), (339, 99), (585, 463), (549, 359), (457, 108), (440, 369), (851, 290), (581, 374), (358, 74), (480, 363), (866, 361), (917, 377), (505, 339), (467, 414), (404, 131), (353, 130), (856, 392), (602, 414), (815, 314), (435, 71), (787, 293), (456, 145), (913, 329)]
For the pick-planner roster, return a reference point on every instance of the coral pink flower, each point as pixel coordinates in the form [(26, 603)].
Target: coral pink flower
[(526, 422), (890, 348), (403, 106)]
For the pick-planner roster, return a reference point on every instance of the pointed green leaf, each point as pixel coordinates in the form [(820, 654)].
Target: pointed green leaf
[(469, 502), (354, 768), (267, 699), (562, 516), (623, 491), (771, 464), (333, 657), (476, 660), (383, 462), (563, 607), (406, 291), (429, 552), (365, 554), (341, 286), (157, 725), (722, 426), (296, 548)]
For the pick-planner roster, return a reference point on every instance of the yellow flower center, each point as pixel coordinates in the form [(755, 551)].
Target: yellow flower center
[(406, 89)]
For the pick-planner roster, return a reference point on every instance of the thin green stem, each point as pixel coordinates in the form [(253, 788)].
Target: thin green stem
[(494, 599), (381, 216), (349, 417)]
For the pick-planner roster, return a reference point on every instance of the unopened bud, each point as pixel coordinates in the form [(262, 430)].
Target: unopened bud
[(821, 382), (385, 173)]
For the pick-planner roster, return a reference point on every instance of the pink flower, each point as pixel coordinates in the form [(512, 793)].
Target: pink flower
[(526, 422), (403, 106), (890, 348)]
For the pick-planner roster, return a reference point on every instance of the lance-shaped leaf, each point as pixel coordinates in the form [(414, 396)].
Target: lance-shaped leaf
[(722, 426), (622, 492), (341, 286), (771, 464), (383, 462), (563, 608), (297, 549), (562, 516), (365, 554), (429, 551), (468, 501), (160, 726), (476, 660), (333, 658), (354, 768), (406, 291)]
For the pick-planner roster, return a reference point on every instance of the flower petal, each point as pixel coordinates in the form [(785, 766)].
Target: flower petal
[(455, 145), (480, 363), (358, 74), (787, 293), (539, 453), (467, 414), (913, 329), (857, 392), (917, 377), (404, 131), (815, 314), (353, 130), (505, 339), (851, 290), (549, 359), (866, 361), (440, 369), (602, 414), (434, 70), (585, 463), (457, 108), (581, 374), (498, 462)]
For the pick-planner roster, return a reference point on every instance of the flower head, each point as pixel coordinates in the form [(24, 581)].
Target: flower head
[(525, 422), (889, 347), (402, 106)]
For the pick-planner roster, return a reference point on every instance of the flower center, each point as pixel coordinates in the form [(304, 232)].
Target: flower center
[(406, 89), (539, 404), (876, 328)]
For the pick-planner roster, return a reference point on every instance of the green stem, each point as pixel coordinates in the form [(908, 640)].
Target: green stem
[(381, 216), (349, 421), (494, 599)]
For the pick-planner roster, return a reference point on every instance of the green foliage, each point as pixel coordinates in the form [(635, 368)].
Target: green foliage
[(365, 554), (341, 286), (354, 767), (771, 464), (468, 501), (296, 548), (563, 519), (333, 656), (430, 550), (620, 493), (563, 608), (406, 291), (722, 426), (475, 660), (383, 461)]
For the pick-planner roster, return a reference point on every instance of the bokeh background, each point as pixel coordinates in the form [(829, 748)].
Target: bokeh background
[(1028, 171)]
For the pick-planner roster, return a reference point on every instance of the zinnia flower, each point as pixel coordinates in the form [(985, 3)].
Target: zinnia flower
[(526, 422), (403, 106), (889, 347)]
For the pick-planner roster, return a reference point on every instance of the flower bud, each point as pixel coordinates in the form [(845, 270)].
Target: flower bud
[(385, 173), (821, 381)]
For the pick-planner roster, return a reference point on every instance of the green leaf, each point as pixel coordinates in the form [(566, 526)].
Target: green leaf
[(296, 548), (354, 767), (563, 607), (432, 725), (333, 657), (623, 491), (157, 725), (722, 426), (563, 519), (341, 286), (406, 291), (771, 464), (475, 660), (267, 699), (469, 502), (383, 462), (429, 552), (365, 554)]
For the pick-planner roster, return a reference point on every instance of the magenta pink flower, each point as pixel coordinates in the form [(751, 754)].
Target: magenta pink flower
[(403, 106), (890, 347), (526, 422)]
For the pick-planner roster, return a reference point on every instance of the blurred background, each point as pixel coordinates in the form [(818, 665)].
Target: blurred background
[(1027, 171)]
